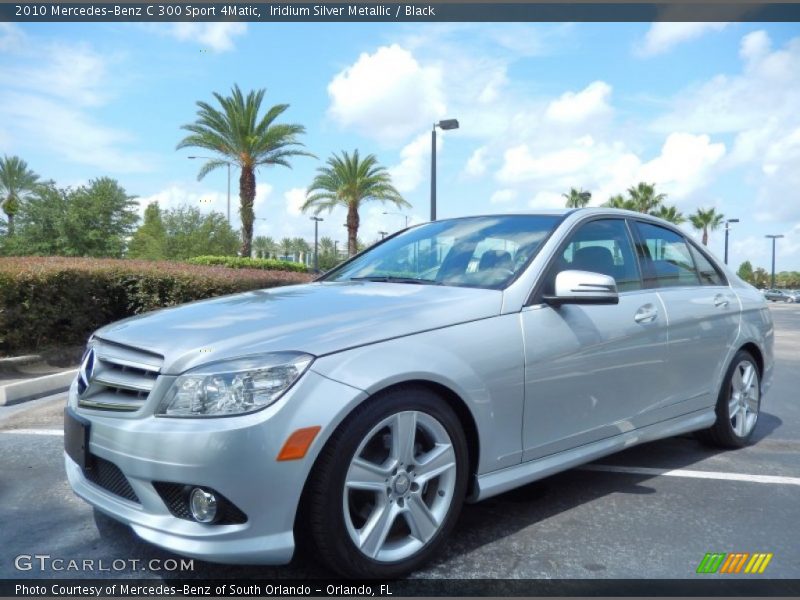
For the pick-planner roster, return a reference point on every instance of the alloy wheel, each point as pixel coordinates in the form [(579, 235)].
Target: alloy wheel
[(399, 486), (743, 404)]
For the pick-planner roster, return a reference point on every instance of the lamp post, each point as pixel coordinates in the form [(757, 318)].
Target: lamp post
[(444, 125), (383, 234), (227, 162), (399, 215), (316, 241), (773, 238), (727, 228)]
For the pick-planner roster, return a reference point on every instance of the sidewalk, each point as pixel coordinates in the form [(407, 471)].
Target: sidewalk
[(24, 378)]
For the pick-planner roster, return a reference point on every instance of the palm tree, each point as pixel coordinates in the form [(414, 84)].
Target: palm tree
[(263, 246), (705, 220), (326, 246), (645, 199), (349, 181), (16, 182), (671, 214), (301, 248), (238, 135), (577, 198), (287, 246), (619, 201)]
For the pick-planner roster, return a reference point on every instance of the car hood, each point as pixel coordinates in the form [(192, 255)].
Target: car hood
[(318, 318)]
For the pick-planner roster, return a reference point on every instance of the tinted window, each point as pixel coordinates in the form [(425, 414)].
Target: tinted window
[(666, 259), (485, 252), (601, 246), (708, 272)]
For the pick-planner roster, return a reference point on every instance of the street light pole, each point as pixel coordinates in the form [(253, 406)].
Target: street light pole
[(383, 234), (727, 228), (316, 241), (444, 125), (227, 162), (773, 238)]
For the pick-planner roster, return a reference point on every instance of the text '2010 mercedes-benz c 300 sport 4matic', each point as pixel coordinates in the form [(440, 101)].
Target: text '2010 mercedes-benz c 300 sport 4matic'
[(451, 362)]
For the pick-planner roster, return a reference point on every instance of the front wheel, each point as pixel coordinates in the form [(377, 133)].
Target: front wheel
[(389, 485), (738, 404)]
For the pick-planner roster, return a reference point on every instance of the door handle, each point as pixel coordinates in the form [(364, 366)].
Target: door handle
[(646, 314), (721, 301)]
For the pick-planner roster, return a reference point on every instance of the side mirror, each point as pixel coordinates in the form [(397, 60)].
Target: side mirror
[(583, 287)]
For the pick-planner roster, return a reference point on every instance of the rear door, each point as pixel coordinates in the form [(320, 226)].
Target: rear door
[(702, 311), (592, 371)]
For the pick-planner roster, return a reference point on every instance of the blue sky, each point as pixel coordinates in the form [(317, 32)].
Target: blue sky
[(708, 111)]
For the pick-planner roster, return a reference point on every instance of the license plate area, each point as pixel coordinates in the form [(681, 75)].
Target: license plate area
[(76, 439)]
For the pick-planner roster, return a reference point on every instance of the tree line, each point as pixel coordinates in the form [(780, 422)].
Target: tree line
[(643, 198)]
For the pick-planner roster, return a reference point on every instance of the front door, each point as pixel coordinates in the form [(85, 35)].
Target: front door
[(593, 371)]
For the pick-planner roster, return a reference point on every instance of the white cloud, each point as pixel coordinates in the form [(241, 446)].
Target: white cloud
[(663, 36), (11, 37), (177, 195), (683, 165), (758, 107), (415, 160), (387, 95), (218, 37), (476, 165), (547, 200), (295, 198), (505, 196), (46, 92), (575, 107), (71, 133)]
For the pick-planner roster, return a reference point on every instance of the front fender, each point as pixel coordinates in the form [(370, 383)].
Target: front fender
[(480, 361)]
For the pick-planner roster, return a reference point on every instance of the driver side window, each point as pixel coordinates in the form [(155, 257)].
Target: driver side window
[(601, 246)]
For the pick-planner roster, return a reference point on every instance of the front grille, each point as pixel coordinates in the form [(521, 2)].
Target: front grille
[(119, 378), (176, 497), (108, 476)]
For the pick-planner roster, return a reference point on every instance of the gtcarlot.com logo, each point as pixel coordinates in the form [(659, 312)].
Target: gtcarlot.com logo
[(45, 562), (734, 562)]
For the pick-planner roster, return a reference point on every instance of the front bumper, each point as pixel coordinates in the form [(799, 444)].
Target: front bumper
[(233, 455)]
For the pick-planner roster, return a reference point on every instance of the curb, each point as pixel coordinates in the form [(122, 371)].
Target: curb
[(22, 391)]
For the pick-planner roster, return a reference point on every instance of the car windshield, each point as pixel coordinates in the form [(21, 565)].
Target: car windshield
[(482, 252)]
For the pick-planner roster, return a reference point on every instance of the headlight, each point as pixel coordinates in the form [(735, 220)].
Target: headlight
[(234, 387)]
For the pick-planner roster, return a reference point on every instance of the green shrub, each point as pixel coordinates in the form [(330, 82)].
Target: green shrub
[(57, 301), (237, 262)]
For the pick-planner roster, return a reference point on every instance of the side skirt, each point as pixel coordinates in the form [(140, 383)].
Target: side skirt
[(497, 482)]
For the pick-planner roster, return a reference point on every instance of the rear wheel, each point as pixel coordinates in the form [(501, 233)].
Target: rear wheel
[(738, 404), (389, 485)]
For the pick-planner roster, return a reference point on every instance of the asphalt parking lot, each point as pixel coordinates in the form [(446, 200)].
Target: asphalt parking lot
[(652, 511)]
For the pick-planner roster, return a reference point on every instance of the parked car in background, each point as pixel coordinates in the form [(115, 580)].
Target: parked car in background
[(451, 362), (778, 296), (794, 295)]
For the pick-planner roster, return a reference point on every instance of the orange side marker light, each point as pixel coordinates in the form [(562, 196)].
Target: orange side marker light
[(297, 444)]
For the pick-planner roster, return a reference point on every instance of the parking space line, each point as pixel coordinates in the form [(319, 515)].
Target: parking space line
[(34, 431), (694, 474)]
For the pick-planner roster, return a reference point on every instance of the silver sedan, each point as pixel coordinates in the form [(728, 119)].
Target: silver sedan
[(453, 361)]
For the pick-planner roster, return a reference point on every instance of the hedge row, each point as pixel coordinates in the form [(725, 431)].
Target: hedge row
[(55, 301), (237, 262)]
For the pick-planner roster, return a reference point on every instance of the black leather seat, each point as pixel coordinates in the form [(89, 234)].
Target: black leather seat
[(596, 259), (496, 259)]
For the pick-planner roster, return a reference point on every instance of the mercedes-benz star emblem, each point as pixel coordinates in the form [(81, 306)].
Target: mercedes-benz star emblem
[(86, 371)]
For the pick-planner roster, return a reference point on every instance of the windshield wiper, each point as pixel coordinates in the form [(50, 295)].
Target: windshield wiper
[(394, 279)]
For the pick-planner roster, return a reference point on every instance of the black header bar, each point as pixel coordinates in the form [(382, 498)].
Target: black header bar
[(376, 11)]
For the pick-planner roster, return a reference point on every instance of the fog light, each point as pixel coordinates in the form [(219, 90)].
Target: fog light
[(203, 505)]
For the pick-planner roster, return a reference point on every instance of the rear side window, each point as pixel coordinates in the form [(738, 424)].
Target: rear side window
[(709, 275), (666, 258)]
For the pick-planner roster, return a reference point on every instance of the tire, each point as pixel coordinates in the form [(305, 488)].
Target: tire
[(738, 404), (417, 506)]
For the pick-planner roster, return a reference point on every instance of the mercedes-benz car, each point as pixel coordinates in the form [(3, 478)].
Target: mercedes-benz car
[(451, 362)]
